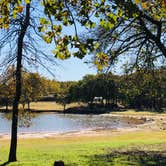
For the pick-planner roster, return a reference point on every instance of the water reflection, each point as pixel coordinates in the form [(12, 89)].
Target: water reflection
[(24, 118), (52, 122)]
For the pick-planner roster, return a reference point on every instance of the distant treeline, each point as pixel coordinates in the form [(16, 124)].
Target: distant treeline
[(141, 89)]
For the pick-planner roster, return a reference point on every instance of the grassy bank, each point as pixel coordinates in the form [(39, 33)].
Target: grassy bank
[(133, 148), (139, 112), (48, 106)]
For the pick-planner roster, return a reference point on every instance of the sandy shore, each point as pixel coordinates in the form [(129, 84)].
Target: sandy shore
[(151, 123)]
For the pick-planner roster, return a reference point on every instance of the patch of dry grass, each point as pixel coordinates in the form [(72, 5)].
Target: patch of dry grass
[(48, 106), (139, 113), (52, 106)]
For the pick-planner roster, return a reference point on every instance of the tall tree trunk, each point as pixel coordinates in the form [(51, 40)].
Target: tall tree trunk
[(13, 145), (64, 107), (28, 105), (7, 105)]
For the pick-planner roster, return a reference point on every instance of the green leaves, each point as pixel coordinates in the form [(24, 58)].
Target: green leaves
[(107, 24), (27, 1), (43, 21), (8, 9), (61, 51), (47, 39), (101, 60), (90, 14)]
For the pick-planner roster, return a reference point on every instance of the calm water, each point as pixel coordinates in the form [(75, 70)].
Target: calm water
[(51, 122)]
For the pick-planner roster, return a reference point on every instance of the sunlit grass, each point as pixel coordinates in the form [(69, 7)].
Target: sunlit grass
[(51, 106), (48, 106), (138, 112), (81, 150)]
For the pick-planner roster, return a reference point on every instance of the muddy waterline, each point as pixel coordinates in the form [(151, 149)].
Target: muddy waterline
[(61, 123)]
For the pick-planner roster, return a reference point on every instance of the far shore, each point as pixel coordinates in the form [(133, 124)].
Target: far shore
[(81, 108)]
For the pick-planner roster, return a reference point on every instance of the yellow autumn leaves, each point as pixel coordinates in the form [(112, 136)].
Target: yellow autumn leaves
[(6, 11), (157, 8)]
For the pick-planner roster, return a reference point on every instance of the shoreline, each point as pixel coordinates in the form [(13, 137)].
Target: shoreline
[(85, 110), (151, 123), (85, 133)]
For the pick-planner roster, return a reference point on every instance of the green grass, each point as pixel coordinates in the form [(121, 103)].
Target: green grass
[(100, 150)]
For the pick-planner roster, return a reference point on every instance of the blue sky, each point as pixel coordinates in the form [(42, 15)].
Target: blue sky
[(67, 70), (72, 69)]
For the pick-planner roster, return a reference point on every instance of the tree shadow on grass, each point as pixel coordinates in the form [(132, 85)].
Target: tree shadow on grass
[(5, 163), (129, 158)]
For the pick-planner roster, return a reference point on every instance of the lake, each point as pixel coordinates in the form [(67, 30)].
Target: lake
[(61, 123)]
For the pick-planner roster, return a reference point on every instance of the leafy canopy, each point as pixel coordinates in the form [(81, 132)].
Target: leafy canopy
[(87, 13)]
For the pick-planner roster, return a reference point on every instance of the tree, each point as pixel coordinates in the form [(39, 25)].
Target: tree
[(88, 89), (15, 17), (143, 89), (32, 88), (17, 23), (101, 86), (131, 28), (63, 97), (128, 28), (52, 87), (7, 84), (24, 26)]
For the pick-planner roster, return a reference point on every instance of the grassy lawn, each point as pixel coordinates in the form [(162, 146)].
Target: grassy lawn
[(133, 148), (48, 106)]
